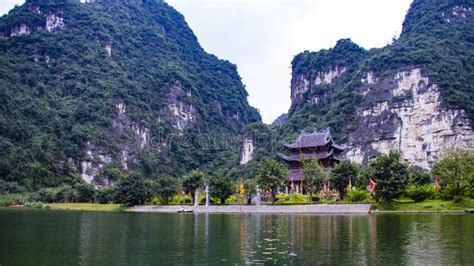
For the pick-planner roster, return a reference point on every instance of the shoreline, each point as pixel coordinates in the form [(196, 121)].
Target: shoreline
[(315, 209), (264, 209)]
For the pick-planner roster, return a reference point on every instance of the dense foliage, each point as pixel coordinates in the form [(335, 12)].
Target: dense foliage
[(193, 181), (314, 176), (343, 174), (221, 187), (272, 176), (390, 175), (165, 188), (60, 91), (437, 36), (455, 169), (132, 190)]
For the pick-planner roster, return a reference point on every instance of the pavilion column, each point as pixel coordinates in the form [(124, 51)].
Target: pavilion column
[(286, 189), (196, 197), (258, 195), (207, 196)]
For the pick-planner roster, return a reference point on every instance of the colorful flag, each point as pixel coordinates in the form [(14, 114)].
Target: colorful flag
[(242, 188), (436, 184), (372, 185)]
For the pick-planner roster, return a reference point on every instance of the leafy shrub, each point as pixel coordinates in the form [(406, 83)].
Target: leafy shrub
[(211, 200), (105, 195), (234, 199), (315, 198), (449, 191), (46, 195), (420, 193), (357, 195), (65, 193), (292, 199), (419, 177), (85, 193), (186, 199), (458, 199), (35, 205), (12, 199), (469, 190), (11, 188), (132, 190), (3, 187)]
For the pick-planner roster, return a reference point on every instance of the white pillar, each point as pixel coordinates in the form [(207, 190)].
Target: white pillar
[(258, 195), (286, 189), (196, 197), (207, 196)]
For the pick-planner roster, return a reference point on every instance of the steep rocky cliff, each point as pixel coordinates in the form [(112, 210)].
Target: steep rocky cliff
[(415, 95), (94, 85)]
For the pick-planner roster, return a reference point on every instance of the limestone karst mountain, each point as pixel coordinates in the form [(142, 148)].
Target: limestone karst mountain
[(88, 88), (415, 95)]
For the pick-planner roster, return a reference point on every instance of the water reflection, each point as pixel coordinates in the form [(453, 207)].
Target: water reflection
[(136, 239)]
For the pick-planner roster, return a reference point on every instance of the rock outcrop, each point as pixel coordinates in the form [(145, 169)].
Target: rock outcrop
[(414, 96), (410, 117)]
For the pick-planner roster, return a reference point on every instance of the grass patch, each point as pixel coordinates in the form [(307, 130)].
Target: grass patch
[(427, 205), (87, 207)]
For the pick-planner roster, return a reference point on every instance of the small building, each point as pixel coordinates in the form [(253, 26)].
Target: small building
[(308, 146)]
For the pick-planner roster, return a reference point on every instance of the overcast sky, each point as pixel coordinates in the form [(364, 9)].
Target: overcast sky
[(262, 36)]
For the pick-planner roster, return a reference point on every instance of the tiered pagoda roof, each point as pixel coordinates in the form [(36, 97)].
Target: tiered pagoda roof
[(315, 139), (312, 145)]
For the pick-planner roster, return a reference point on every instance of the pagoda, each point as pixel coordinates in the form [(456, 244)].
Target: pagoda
[(308, 146)]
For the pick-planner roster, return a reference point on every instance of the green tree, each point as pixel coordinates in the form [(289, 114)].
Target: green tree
[(165, 187), (313, 176), (456, 168), (132, 190), (221, 187), (272, 175), (85, 193), (390, 175), (193, 181), (418, 176), (342, 173)]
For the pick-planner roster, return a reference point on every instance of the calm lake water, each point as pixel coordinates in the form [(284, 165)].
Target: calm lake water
[(87, 238)]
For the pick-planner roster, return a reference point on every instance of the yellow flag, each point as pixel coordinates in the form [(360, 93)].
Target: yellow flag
[(242, 188)]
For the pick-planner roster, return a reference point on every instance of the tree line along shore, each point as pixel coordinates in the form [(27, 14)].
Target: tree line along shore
[(398, 187)]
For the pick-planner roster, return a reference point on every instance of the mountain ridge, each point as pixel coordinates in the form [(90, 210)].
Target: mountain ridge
[(112, 84)]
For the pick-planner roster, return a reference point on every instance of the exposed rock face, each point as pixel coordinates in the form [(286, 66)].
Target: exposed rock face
[(54, 22), (108, 49), (133, 90), (300, 84), (409, 117), (406, 96), (94, 160), (248, 149), (182, 113), (21, 30)]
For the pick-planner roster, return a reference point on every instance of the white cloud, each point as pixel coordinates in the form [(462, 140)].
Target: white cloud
[(262, 36), (6, 5)]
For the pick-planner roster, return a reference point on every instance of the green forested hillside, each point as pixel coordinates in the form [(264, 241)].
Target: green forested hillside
[(437, 36), (112, 77)]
